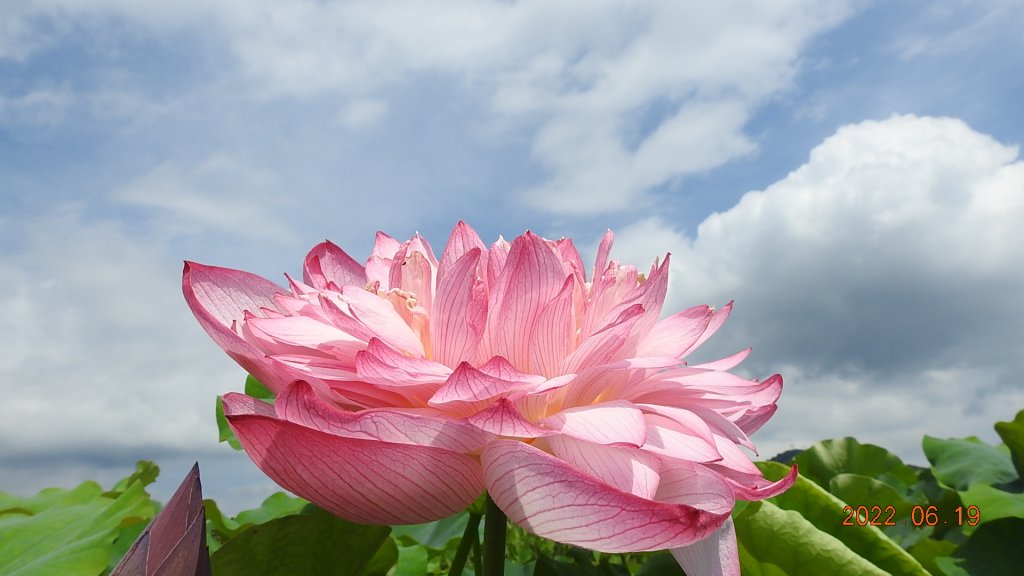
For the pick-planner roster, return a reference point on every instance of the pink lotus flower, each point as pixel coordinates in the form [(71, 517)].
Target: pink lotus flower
[(408, 386)]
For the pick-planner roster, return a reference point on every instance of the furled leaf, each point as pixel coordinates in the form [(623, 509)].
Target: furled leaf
[(1012, 434), (174, 543), (773, 541), (961, 462), (822, 461), (313, 543), (823, 514)]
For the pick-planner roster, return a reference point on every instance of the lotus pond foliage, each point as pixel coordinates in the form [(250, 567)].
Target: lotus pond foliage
[(86, 530)]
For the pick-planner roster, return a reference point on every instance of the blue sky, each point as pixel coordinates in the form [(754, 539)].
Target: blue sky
[(848, 172)]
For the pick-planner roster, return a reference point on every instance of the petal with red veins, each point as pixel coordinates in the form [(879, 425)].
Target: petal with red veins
[(605, 345), (302, 335), (460, 311), (366, 481), (676, 334), (379, 316), (613, 423), (469, 390), (716, 555), (326, 263), (553, 333), (717, 319), (218, 298), (462, 240), (605, 248), (532, 276), (554, 500), (394, 369), (667, 437), (727, 363), (503, 418), (301, 404), (627, 469)]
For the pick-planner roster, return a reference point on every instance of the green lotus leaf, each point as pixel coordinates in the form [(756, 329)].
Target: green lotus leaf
[(313, 543), (825, 459), (961, 462), (1012, 434), (812, 504)]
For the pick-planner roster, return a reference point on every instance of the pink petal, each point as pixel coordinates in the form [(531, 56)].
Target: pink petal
[(367, 481), (754, 486), (676, 334), (218, 298), (469, 390), (553, 332), (302, 335), (462, 240), (329, 375), (460, 311), (379, 316), (554, 500), (629, 470), (668, 438), (605, 345), (615, 423), (328, 264), (716, 555), (412, 270), (301, 405), (727, 363), (717, 319), (416, 377), (384, 246), (502, 418), (496, 258), (532, 276), (570, 257), (605, 248)]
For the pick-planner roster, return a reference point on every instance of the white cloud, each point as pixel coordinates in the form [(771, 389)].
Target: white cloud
[(362, 113), (882, 278), (618, 97), (220, 193), (103, 364)]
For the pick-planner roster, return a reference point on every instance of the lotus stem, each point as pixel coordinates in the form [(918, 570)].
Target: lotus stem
[(495, 526), (469, 541)]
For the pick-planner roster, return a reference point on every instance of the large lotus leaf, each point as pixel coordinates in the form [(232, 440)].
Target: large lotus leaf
[(67, 532), (436, 535), (824, 512), (992, 504), (994, 549), (777, 542), (882, 504), (1012, 434), (929, 550), (313, 543), (961, 462), (222, 529), (825, 459)]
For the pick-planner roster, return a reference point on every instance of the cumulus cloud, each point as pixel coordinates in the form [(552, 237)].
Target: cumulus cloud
[(883, 276), (102, 363), (618, 97)]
